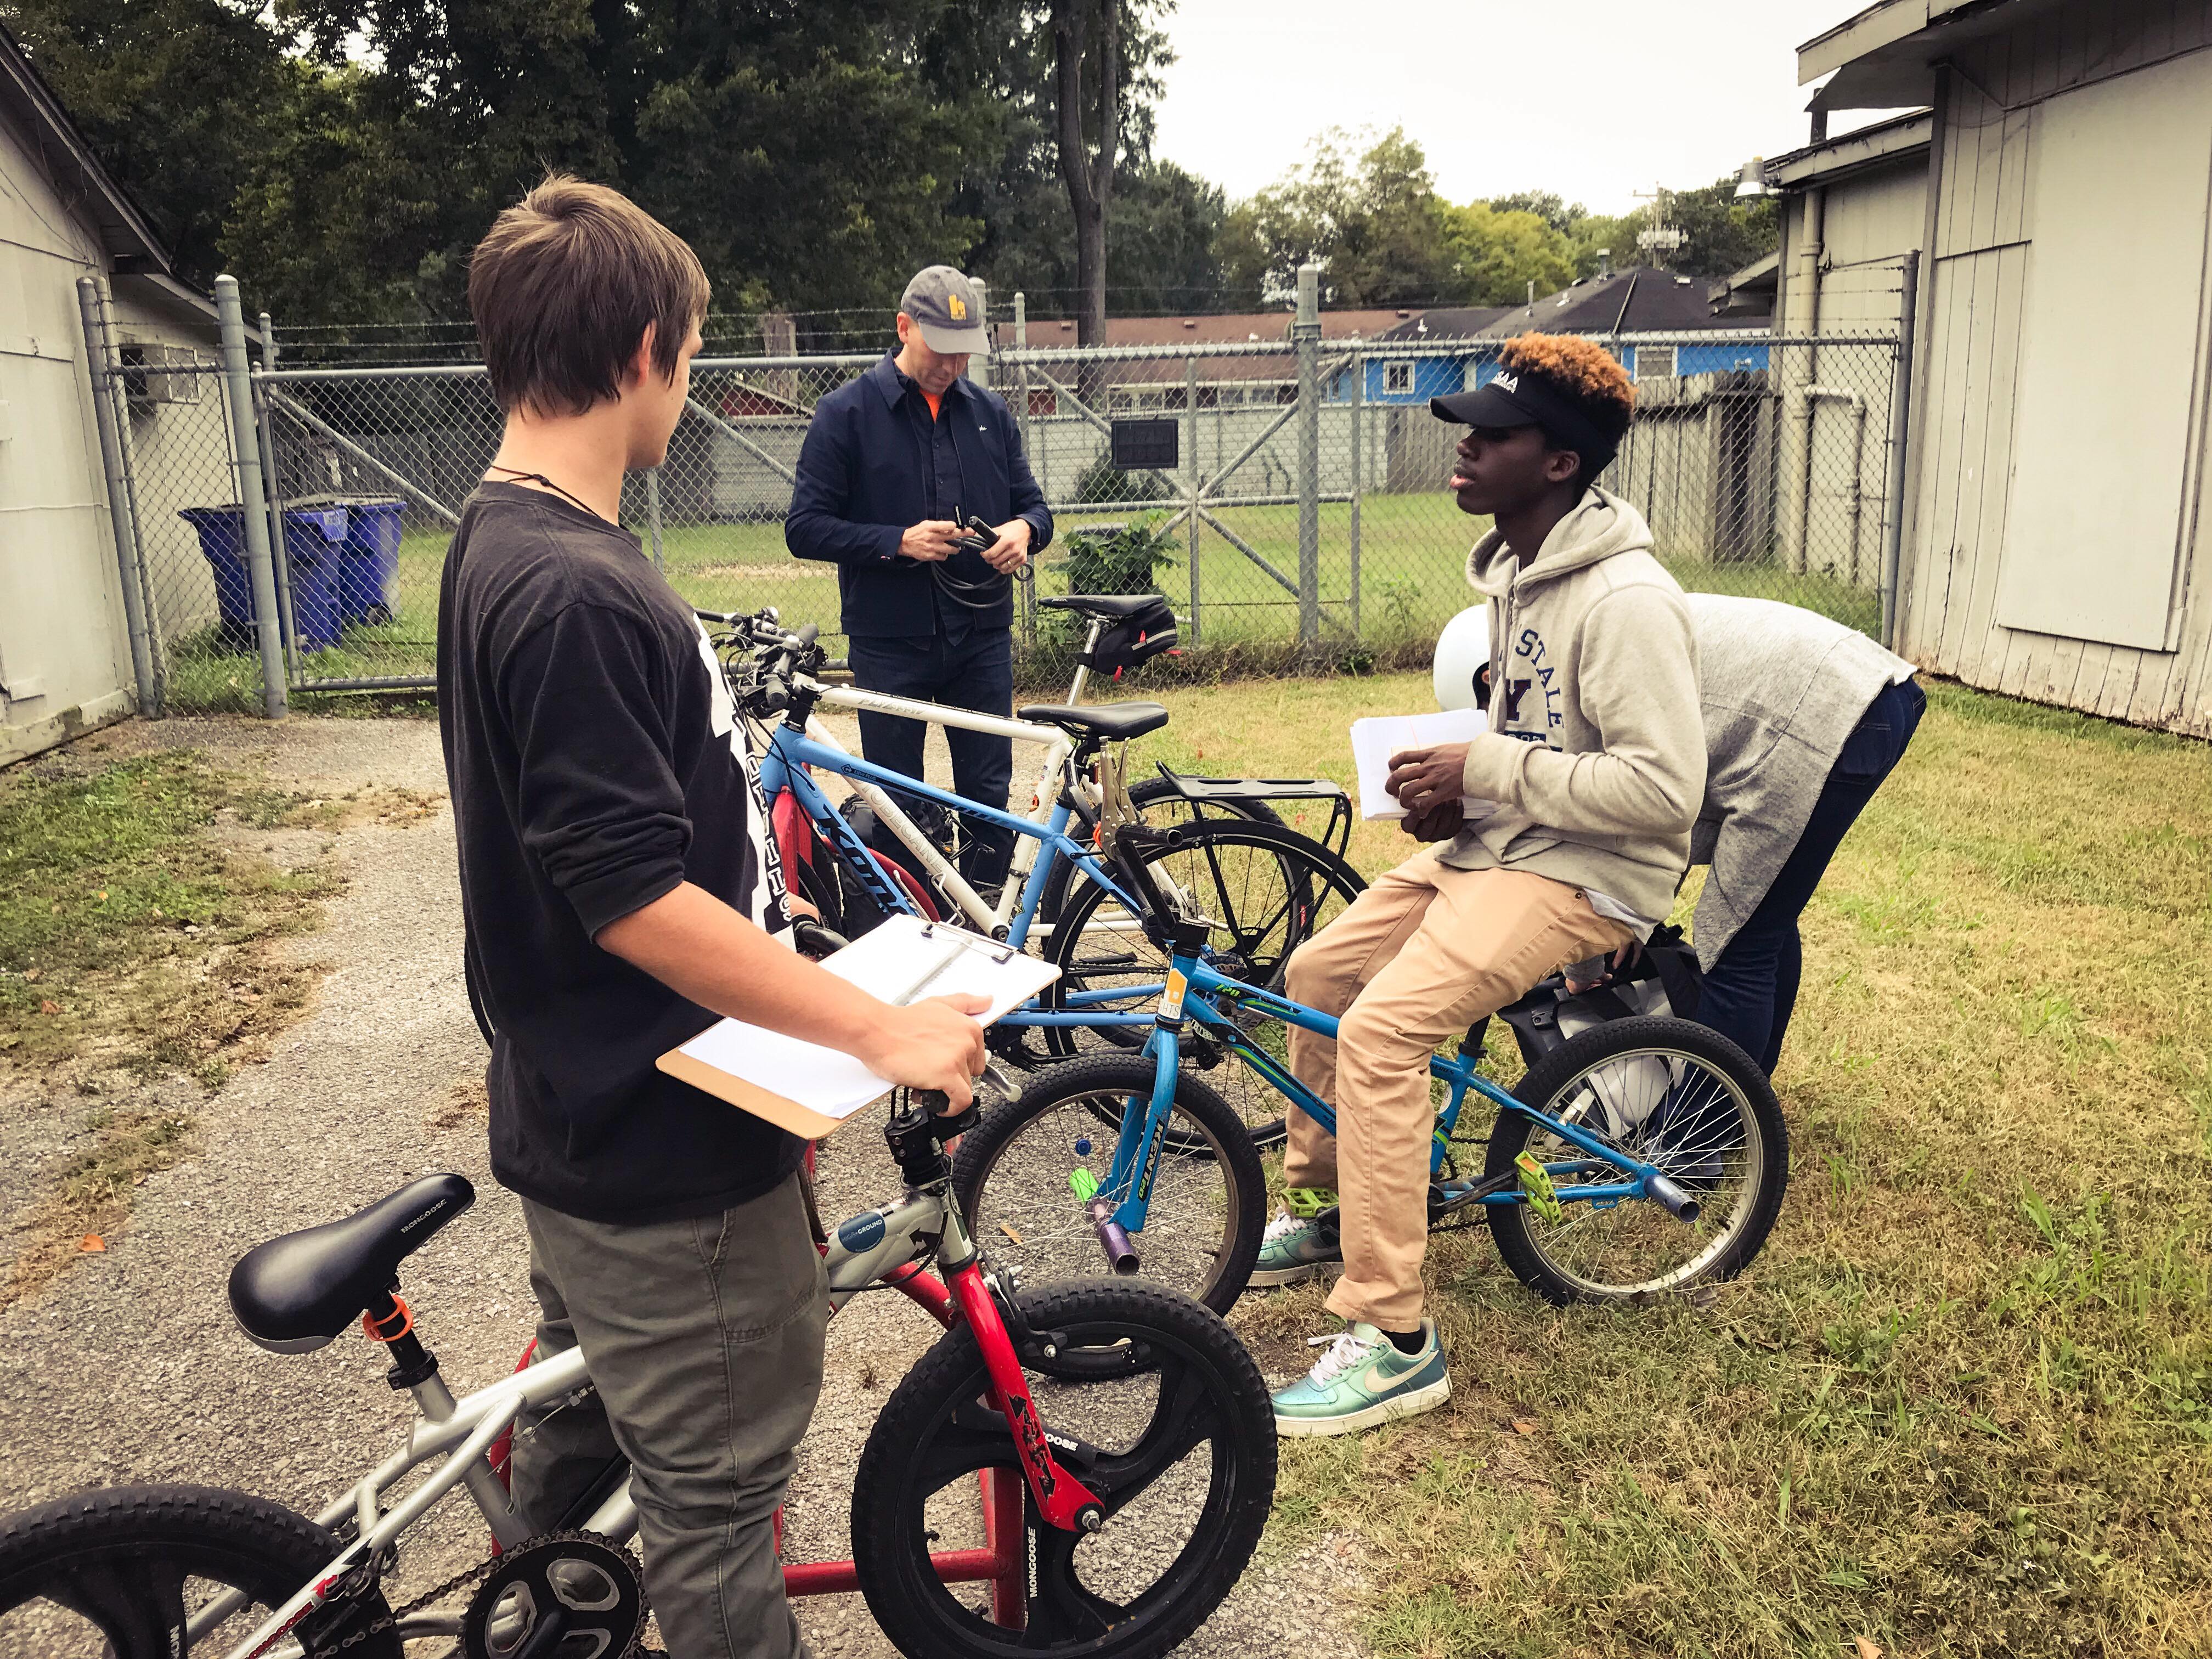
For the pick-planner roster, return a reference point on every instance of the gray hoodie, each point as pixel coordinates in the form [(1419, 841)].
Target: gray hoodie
[(1596, 748)]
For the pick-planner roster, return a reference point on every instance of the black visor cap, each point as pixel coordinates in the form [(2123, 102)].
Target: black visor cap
[(1532, 402)]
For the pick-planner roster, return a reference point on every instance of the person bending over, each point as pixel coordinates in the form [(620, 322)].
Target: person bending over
[(620, 893), (1595, 760), (1804, 719)]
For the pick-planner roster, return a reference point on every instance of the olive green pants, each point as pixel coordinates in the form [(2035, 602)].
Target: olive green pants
[(704, 1339)]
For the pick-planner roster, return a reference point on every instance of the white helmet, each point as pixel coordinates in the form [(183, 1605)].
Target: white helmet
[(1463, 652)]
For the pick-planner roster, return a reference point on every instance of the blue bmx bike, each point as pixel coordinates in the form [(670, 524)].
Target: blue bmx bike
[(1638, 1159)]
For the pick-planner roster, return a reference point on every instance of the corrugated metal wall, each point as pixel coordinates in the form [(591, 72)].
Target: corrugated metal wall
[(1986, 247)]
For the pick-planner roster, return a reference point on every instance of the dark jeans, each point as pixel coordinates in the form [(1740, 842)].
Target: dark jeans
[(1751, 990), (975, 671)]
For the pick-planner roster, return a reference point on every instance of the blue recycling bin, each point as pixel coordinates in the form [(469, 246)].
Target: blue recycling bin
[(367, 575), (313, 537)]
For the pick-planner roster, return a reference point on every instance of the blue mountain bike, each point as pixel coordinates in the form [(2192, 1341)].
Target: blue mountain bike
[(1268, 887), (1632, 1162)]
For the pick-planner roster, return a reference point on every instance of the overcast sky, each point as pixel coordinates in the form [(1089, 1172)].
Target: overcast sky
[(1595, 99)]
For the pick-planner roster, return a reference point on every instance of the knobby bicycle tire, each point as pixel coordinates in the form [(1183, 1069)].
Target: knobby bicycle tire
[(1524, 1243), (119, 1558), (1217, 1143), (1147, 796), (1205, 1396)]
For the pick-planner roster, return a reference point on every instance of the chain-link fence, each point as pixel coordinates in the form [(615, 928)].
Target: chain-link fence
[(1289, 495)]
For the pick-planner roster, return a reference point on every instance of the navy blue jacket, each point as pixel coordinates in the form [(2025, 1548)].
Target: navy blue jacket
[(862, 484)]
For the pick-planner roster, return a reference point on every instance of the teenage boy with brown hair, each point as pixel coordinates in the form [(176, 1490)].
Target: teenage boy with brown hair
[(1595, 759), (620, 893)]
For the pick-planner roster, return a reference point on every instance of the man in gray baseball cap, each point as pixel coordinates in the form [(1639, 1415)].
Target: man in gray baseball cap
[(912, 482), (944, 306)]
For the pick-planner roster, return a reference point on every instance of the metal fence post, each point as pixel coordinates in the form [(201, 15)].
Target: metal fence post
[(266, 414), (983, 305), (1305, 336), (238, 396), (120, 519), (1028, 589), (1190, 483), (653, 513), (1900, 431), (1358, 444)]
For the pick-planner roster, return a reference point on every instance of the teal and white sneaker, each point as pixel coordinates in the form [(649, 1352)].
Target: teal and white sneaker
[(1363, 1382), (1295, 1248)]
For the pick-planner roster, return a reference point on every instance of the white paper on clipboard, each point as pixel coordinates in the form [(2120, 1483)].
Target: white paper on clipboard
[(809, 1089), (1375, 740)]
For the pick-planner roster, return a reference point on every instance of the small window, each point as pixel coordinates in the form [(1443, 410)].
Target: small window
[(1398, 378), (1655, 362)]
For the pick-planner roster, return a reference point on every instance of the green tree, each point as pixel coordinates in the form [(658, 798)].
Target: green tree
[(1497, 254), (1548, 205), (178, 97), (1373, 221)]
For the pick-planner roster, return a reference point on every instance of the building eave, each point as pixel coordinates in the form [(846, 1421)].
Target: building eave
[(1886, 56), (1823, 163), (127, 237)]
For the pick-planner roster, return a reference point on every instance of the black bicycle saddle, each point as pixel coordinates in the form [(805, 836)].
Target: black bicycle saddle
[(1112, 721), (295, 1293)]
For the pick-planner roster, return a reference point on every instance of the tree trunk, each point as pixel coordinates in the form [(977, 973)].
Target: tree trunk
[(1087, 34)]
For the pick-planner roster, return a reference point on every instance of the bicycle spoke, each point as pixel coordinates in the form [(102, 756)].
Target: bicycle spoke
[(136, 1606), (1184, 1416), (1063, 1609)]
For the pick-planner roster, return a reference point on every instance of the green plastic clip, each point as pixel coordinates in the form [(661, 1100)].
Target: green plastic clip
[(1085, 1183), (1536, 1186), (1307, 1203)]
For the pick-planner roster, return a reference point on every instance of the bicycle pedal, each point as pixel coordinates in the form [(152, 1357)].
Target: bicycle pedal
[(1537, 1187), (1307, 1203)]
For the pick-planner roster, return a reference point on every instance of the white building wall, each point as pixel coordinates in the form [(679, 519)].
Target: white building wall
[(1992, 245), (65, 656)]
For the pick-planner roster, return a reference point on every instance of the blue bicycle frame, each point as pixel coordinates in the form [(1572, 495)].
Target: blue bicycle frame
[(1195, 992), (790, 753)]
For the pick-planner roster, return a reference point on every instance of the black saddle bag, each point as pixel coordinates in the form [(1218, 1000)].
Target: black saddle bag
[(1126, 642), (1664, 980)]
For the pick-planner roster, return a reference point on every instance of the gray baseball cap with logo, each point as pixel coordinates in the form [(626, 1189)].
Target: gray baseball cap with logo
[(948, 310)]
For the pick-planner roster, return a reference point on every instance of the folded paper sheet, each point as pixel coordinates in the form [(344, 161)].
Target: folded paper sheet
[(1375, 739), (809, 1089)]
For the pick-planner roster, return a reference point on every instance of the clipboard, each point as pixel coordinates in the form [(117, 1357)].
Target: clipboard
[(809, 1090)]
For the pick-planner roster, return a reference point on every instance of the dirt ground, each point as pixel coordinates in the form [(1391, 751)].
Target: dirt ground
[(128, 1368)]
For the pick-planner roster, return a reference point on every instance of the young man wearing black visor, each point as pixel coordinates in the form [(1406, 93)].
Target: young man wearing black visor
[(1589, 778)]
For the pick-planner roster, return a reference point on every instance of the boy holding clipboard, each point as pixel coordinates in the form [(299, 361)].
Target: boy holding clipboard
[(620, 893)]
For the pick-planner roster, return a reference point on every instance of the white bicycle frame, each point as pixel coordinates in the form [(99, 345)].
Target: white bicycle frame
[(462, 1431), (984, 918)]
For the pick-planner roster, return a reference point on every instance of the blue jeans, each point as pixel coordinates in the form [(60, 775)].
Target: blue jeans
[(974, 669), (1751, 992)]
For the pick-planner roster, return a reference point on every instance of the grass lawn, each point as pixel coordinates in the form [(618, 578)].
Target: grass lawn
[(1962, 1402), (136, 947), (1412, 551)]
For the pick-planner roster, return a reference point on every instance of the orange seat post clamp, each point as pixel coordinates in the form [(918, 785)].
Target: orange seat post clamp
[(401, 1312)]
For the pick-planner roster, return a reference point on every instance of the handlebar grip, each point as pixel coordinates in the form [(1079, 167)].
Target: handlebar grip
[(809, 634)]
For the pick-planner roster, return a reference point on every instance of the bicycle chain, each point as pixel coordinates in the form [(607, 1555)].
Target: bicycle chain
[(461, 1580), (369, 1571)]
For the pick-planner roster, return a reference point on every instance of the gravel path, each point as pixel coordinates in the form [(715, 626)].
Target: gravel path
[(128, 1368)]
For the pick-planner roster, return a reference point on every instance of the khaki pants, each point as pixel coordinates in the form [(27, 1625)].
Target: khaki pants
[(1418, 958)]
